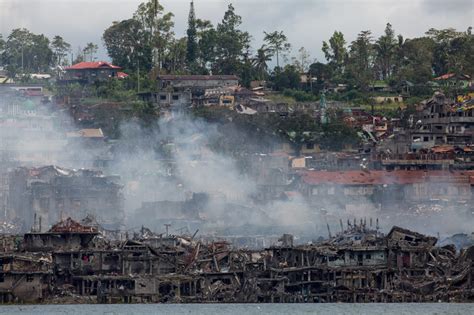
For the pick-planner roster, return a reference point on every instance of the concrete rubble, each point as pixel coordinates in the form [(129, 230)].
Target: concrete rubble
[(77, 263)]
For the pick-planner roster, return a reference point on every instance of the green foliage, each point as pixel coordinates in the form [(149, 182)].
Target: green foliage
[(60, 49), (158, 30), (417, 60), (336, 53), (278, 44), (300, 96), (288, 78), (298, 129), (231, 44), (25, 52), (260, 61), (360, 61), (385, 48), (191, 45), (90, 50)]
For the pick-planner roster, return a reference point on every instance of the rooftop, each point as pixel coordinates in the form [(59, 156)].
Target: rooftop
[(92, 65), (170, 77), (400, 177)]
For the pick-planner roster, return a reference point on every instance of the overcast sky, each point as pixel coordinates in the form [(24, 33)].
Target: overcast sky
[(306, 22)]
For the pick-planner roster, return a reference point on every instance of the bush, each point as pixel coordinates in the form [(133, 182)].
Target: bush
[(300, 96)]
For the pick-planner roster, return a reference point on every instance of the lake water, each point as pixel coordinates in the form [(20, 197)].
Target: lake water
[(241, 309)]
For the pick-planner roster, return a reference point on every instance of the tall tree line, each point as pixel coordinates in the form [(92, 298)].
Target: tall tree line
[(23, 52)]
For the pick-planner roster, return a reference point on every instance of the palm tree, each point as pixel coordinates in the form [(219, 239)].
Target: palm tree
[(259, 62)]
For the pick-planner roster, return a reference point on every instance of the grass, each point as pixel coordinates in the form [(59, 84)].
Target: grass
[(280, 98)]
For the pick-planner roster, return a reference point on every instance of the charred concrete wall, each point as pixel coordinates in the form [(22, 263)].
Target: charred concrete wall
[(51, 193)]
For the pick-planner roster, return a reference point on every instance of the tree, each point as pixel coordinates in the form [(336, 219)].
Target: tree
[(175, 59), (360, 60), (278, 43), (2, 47), (91, 50), (79, 56), (302, 61), (60, 49), (417, 56), (207, 40), (441, 53), (126, 44), (231, 44), (25, 52), (158, 26), (336, 53), (385, 48), (260, 61), (321, 72), (192, 45), (286, 78)]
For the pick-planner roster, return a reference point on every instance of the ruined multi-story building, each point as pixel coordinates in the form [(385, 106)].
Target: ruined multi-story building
[(51, 193), (363, 189), (179, 91), (75, 262), (444, 122)]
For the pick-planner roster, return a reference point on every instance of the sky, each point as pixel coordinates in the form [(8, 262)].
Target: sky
[(305, 22)]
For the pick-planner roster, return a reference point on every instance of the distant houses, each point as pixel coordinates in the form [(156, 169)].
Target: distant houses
[(89, 72)]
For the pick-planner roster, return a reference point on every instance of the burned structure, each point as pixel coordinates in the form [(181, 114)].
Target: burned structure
[(180, 91), (42, 196), (74, 262)]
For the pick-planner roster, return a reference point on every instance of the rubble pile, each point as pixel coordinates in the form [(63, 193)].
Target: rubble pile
[(76, 263)]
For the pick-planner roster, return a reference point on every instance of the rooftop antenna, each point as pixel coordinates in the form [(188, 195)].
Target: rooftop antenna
[(377, 224), (39, 230)]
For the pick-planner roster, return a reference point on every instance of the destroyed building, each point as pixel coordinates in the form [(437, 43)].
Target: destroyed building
[(180, 91), (362, 189), (444, 122), (48, 193), (75, 262)]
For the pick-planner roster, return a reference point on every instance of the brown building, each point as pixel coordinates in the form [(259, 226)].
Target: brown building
[(89, 72)]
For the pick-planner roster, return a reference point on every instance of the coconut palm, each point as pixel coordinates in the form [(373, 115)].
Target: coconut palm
[(259, 62)]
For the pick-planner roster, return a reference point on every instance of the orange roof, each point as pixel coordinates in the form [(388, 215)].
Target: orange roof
[(443, 149), (121, 75), (450, 75), (445, 76), (400, 177), (92, 65)]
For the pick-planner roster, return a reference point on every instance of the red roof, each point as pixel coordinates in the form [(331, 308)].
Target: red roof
[(450, 75), (121, 75), (445, 76), (400, 177), (92, 65)]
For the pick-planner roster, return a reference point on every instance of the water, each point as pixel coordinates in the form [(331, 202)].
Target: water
[(238, 309)]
